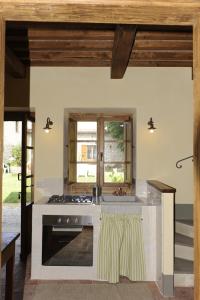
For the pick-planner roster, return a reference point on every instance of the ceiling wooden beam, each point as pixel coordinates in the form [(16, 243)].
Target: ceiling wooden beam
[(13, 65), (161, 63), (142, 55), (49, 54), (163, 45), (159, 55), (71, 34), (100, 45), (64, 35), (101, 63), (98, 58), (123, 43), (92, 45), (164, 35), (70, 62), (80, 44)]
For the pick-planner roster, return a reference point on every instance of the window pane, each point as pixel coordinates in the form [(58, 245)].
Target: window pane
[(117, 131), (29, 161), (117, 151), (117, 173), (29, 133), (86, 173), (29, 190), (28, 195), (86, 131), (114, 152), (86, 152)]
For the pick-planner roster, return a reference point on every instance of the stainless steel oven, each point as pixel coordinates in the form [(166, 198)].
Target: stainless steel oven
[(67, 240)]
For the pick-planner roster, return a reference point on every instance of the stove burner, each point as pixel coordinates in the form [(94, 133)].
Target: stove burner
[(71, 199)]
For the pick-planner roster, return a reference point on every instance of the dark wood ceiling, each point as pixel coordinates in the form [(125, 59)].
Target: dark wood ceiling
[(91, 45)]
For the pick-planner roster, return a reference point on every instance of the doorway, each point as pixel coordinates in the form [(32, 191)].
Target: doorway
[(11, 169), (18, 179)]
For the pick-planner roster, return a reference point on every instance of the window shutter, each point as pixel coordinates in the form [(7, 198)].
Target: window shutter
[(84, 152), (128, 151), (72, 151)]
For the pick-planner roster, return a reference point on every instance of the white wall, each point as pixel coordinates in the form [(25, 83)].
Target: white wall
[(165, 94)]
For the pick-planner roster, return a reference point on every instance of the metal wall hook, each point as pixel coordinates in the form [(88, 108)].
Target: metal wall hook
[(178, 165)]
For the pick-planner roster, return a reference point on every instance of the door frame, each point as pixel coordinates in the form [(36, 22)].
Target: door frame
[(2, 73), (156, 12)]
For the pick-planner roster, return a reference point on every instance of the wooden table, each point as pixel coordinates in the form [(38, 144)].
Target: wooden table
[(8, 258)]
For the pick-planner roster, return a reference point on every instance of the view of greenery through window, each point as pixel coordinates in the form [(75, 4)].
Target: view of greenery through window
[(115, 157), (11, 188), (11, 162)]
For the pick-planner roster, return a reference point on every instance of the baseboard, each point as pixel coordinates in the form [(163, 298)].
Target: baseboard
[(166, 285)]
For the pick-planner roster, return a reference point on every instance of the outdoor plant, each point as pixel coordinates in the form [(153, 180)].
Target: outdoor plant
[(116, 130), (16, 155), (116, 177)]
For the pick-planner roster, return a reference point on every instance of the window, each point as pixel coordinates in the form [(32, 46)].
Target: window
[(100, 150)]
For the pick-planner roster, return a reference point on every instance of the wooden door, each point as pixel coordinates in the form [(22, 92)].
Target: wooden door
[(27, 184)]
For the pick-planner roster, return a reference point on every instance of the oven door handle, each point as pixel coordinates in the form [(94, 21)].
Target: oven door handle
[(67, 229)]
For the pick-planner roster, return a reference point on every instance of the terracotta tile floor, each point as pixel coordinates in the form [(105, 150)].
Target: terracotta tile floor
[(19, 276), (11, 223), (180, 293)]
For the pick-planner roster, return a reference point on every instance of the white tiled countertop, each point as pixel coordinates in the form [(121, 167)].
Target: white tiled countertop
[(141, 201)]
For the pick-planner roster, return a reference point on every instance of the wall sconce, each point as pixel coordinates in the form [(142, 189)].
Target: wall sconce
[(48, 125), (151, 125)]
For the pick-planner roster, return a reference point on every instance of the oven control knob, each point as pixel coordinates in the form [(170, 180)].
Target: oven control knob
[(76, 220), (67, 220), (59, 220)]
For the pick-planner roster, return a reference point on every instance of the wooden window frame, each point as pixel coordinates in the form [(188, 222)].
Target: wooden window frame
[(107, 187)]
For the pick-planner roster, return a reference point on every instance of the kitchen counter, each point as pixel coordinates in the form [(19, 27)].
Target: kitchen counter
[(148, 212), (156, 211), (123, 207)]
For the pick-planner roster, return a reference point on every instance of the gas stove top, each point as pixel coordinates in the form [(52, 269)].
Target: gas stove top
[(70, 199)]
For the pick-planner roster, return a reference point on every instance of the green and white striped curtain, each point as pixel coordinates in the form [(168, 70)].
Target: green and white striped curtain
[(120, 249)]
